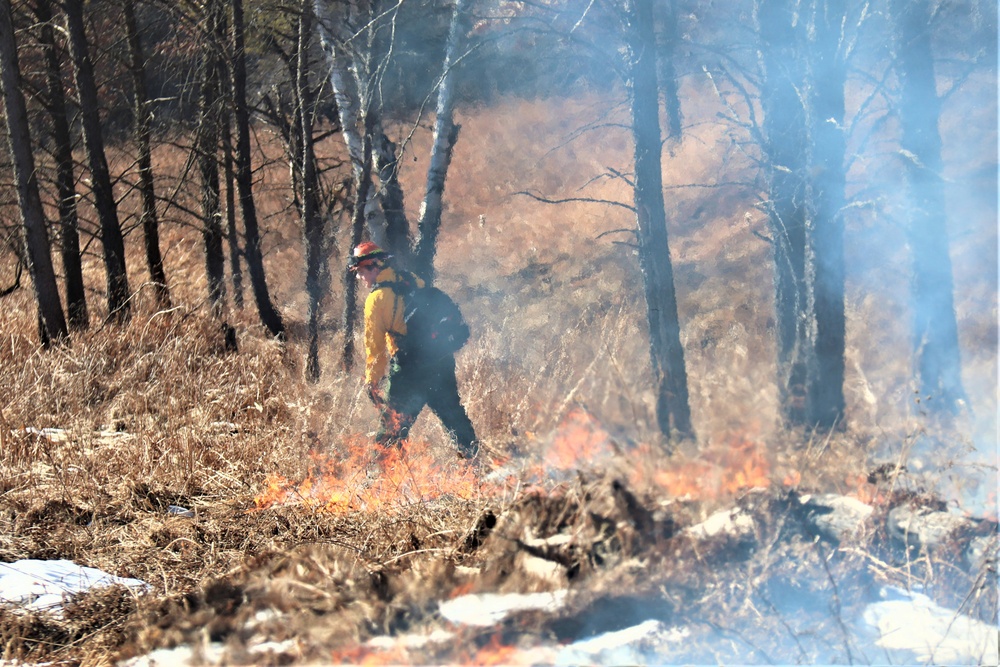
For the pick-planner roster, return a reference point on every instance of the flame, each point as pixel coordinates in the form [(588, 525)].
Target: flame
[(742, 464), (860, 488), (367, 477), (364, 655), (496, 653), (793, 478), (462, 589), (364, 477), (579, 438)]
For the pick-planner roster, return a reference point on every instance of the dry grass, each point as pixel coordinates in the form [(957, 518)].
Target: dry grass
[(157, 413)]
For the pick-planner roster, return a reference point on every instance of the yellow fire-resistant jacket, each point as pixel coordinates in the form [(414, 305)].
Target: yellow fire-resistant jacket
[(383, 321)]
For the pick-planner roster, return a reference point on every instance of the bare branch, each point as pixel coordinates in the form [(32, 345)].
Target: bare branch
[(567, 200)]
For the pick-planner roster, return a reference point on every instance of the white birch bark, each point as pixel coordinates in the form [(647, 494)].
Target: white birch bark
[(334, 18), (445, 133)]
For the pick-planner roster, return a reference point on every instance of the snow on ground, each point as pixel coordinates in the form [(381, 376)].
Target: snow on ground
[(43, 585), (488, 609), (900, 628), (910, 628)]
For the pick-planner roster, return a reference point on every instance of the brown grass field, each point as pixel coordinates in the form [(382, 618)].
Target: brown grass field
[(156, 413)]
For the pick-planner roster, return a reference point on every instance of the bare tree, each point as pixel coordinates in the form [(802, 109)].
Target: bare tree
[(354, 36), (312, 221), (269, 315), (206, 154), (363, 182), (935, 330), (445, 136), (827, 76), (668, 53), (666, 352), (104, 200), (62, 142), (143, 135), (232, 233), (52, 319), (786, 147)]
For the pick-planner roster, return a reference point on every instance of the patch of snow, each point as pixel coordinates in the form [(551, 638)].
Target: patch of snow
[(272, 647), (488, 609), (177, 510), (179, 656), (42, 585), (627, 646), (911, 628), (734, 522), (620, 638), (388, 643)]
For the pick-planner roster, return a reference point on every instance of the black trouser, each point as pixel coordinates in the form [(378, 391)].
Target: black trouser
[(412, 385)]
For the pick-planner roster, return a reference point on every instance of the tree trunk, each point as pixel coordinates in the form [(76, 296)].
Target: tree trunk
[(62, 140), (667, 355), (786, 151), (445, 135), (312, 221), (391, 200), (828, 76), (385, 216), (935, 330), (119, 307), (19, 138), (363, 184), (232, 233), (269, 315), (206, 149), (143, 136), (671, 94)]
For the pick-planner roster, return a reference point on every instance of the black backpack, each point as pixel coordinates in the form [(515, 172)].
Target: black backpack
[(435, 327)]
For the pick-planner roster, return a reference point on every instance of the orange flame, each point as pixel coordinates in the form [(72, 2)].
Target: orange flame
[(742, 464), (496, 653), (793, 478), (579, 438), (363, 655), (368, 477), (859, 487)]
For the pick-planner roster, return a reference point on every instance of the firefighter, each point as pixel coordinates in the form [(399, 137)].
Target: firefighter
[(400, 385)]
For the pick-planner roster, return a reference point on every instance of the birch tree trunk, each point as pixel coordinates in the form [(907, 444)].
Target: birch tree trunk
[(32, 216), (232, 233), (445, 135), (350, 57), (362, 185), (119, 307), (671, 93), (673, 412)]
